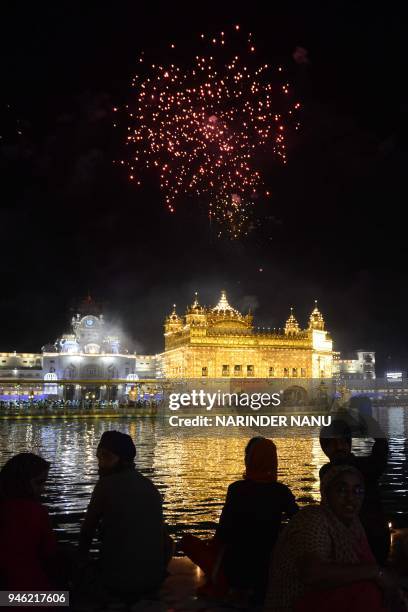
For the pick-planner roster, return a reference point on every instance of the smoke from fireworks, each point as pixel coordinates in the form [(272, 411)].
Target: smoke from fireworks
[(209, 128)]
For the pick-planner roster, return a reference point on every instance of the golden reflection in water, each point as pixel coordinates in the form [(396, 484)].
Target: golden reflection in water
[(195, 473), (192, 472)]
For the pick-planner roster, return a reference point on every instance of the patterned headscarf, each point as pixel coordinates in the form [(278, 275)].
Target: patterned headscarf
[(346, 538), (331, 474), (317, 530)]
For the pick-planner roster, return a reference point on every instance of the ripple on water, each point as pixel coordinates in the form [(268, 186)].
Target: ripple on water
[(192, 472)]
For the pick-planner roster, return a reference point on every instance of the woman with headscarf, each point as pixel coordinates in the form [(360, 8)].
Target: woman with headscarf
[(322, 560), (27, 542), (249, 524)]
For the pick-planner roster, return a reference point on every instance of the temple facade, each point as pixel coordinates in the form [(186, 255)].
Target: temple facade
[(91, 362), (220, 342)]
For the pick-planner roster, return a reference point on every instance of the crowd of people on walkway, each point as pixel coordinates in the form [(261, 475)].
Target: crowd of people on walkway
[(265, 553), (55, 405)]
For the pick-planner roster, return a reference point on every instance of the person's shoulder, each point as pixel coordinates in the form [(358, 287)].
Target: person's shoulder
[(312, 510), (124, 480), (245, 486), (32, 508), (310, 516), (280, 486), (282, 489), (238, 488), (238, 485), (139, 477), (324, 468), (107, 486), (102, 484), (143, 481)]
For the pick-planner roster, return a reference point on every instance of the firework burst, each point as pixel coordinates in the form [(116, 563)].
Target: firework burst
[(232, 214), (208, 128)]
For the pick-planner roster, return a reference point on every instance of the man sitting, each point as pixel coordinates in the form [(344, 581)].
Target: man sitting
[(128, 509)]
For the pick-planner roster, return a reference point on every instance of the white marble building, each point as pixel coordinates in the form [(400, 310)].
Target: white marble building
[(88, 363)]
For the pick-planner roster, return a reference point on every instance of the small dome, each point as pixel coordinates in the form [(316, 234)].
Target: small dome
[(316, 320), (195, 307), (173, 316), (292, 326), (223, 308)]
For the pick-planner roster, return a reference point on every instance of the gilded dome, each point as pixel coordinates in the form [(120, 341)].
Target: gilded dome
[(224, 315), (292, 326), (316, 320)]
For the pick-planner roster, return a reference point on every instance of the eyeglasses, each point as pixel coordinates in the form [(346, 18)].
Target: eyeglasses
[(343, 490)]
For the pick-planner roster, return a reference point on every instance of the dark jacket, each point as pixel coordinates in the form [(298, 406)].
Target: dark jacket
[(249, 525)]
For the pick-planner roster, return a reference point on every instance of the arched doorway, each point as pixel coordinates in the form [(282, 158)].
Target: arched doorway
[(295, 396)]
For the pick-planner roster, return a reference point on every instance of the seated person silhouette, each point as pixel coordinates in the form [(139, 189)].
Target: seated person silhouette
[(237, 558), (127, 508), (28, 544), (336, 443)]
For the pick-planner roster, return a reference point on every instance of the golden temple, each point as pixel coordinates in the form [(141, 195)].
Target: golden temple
[(220, 342)]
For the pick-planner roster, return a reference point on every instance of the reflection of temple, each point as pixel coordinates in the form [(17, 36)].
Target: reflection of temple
[(221, 342), (195, 471)]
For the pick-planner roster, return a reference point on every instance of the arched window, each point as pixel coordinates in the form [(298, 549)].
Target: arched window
[(70, 372), (91, 371), (132, 376), (51, 375), (113, 372)]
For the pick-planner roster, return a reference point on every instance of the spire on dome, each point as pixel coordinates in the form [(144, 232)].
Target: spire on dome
[(173, 321), (292, 326), (223, 306), (196, 314), (195, 306), (174, 314), (316, 320), (224, 315)]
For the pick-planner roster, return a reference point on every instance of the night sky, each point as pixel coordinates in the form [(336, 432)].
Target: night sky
[(71, 222)]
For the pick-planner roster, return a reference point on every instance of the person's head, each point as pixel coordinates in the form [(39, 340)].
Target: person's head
[(250, 444), (261, 460), (24, 476), (335, 440), (342, 490), (115, 452)]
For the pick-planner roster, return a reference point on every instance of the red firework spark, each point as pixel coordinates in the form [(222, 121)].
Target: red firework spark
[(204, 128)]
